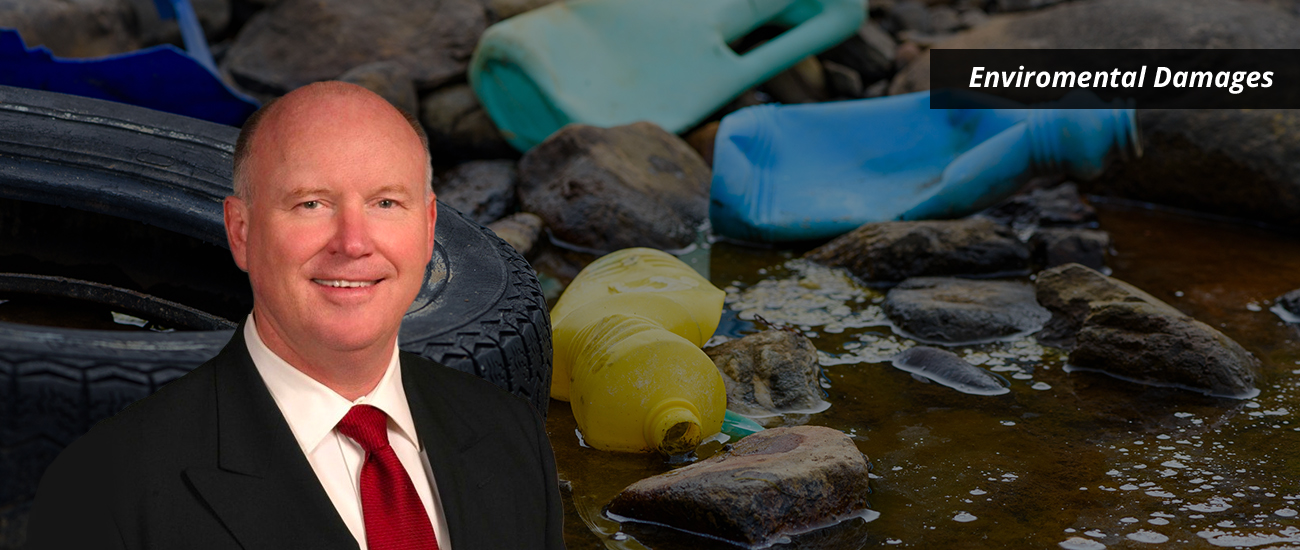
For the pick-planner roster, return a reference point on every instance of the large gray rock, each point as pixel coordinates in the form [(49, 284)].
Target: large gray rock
[(297, 42), (1055, 246), (1132, 335), (769, 373), (959, 311), (893, 251), (1188, 154), (870, 52), (390, 80), (459, 127), (520, 229), (1287, 306), (484, 190), (769, 484), (73, 28), (1059, 205), (610, 188)]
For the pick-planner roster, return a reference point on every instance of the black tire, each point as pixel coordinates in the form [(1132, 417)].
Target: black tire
[(481, 310)]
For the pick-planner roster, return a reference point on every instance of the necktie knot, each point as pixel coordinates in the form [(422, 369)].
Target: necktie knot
[(367, 425)]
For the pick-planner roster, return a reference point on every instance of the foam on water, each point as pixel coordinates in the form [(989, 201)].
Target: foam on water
[(1147, 536), (1080, 543)]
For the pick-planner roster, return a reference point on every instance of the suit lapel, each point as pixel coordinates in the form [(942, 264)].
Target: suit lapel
[(448, 441), (263, 489)]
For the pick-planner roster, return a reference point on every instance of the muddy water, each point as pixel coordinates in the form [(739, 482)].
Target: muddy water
[(1065, 460)]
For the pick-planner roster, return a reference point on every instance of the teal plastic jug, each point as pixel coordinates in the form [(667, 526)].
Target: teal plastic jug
[(804, 172), (614, 62)]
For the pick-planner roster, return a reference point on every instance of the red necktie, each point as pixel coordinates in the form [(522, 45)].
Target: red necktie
[(394, 516)]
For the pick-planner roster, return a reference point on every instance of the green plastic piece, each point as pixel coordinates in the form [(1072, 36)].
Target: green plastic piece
[(738, 426), (613, 62)]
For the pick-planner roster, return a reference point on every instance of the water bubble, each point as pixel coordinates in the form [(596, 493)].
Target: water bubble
[(1128, 520), (1095, 534), (964, 517), (1286, 513), (1080, 543), (977, 492), (1041, 386), (1008, 423), (1148, 536)]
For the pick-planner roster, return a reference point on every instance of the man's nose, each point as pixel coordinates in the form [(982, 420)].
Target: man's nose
[(351, 232)]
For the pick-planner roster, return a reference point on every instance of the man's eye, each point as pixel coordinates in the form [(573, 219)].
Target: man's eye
[(311, 205), (387, 203)]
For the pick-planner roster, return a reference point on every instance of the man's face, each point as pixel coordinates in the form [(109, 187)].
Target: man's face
[(339, 225)]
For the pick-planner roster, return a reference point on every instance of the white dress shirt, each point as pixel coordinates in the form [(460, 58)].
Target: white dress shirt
[(313, 410)]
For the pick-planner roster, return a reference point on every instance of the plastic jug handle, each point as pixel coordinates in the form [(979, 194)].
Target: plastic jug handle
[(736, 18), (808, 37)]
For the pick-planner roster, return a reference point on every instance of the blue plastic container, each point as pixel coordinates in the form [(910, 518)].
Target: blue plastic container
[(804, 172), (614, 62)]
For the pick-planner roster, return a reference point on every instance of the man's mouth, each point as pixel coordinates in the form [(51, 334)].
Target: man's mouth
[(343, 283)]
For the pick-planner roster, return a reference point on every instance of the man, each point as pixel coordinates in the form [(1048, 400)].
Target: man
[(310, 430)]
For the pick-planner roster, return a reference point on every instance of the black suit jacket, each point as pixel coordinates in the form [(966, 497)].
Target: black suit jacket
[(209, 461)]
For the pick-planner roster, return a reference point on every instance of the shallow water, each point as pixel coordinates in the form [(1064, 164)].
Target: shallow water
[(1065, 460)]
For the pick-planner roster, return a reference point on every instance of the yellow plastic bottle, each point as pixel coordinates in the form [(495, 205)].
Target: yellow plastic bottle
[(627, 336)]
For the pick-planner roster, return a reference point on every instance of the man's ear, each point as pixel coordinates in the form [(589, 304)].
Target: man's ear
[(236, 216), (433, 222)]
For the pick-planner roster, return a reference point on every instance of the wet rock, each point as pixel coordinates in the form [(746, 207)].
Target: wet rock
[(959, 311), (775, 482), (297, 42), (459, 127), (1055, 246), (805, 82), (214, 17), (973, 18), (605, 189), (1187, 154), (484, 190), (504, 9), (388, 79), (842, 81), (1287, 306), (769, 373), (944, 19), (911, 15), (1116, 328), (893, 251), (73, 28), (946, 368), (1148, 343), (870, 52), (1060, 205), (702, 138), (520, 229), (1023, 5)]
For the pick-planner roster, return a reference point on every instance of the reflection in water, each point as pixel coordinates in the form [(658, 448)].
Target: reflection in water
[(1065, 460)]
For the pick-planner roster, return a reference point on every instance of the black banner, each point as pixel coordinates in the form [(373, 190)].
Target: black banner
[(1148, 79)]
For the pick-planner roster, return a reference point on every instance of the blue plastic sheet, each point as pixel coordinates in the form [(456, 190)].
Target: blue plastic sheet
[(163, 78)]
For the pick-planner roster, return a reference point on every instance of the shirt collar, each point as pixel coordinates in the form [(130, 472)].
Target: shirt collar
[(312, 409)]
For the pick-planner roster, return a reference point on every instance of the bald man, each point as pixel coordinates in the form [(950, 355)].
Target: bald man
[(310, 429)]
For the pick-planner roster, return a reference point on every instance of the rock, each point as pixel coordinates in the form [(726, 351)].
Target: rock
[(389, 79), (1187, 153), (805, 82), (946, 368), (1070, 291), (73, 28), (214, 17), (842, 81), (770, 373), (459, 127), (1149, 344), (893, 251), (911, 15), (520, 229), (1055, 206), (701, 139), (1023, 5), (774, 482), (1055, 246), (484, 190), (973, 18), (505, 9), (1287, 306), (297, 42), (906, 53), (944, 19), (870, 52), (960, 311), (606, 189), (1116, 328)]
